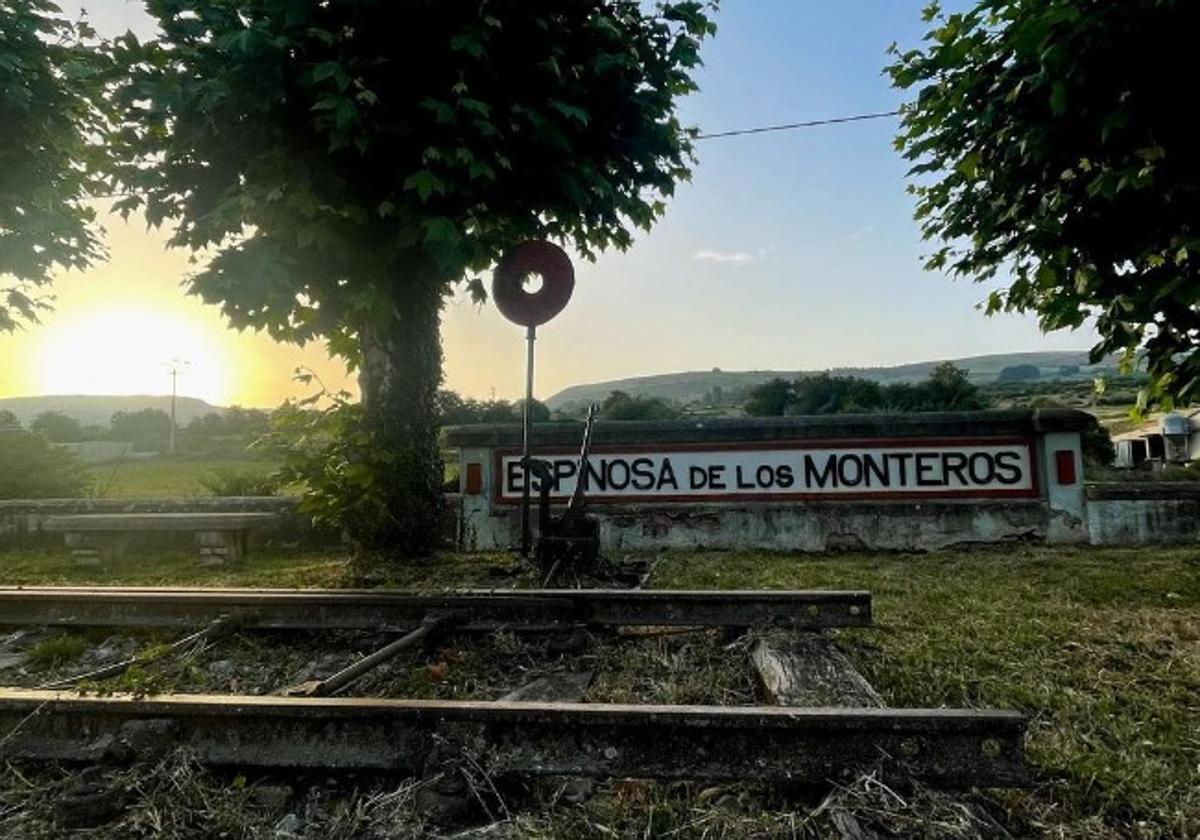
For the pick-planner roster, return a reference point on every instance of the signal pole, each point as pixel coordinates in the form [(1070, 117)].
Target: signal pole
[(174, 367)]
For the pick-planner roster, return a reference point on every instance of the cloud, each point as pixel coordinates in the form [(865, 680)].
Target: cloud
[(736, 257)]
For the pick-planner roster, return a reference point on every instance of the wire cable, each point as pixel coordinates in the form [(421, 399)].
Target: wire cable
[(791, 126)]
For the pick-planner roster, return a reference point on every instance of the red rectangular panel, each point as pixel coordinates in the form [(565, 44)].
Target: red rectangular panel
[(1064, 466), (474, 483)]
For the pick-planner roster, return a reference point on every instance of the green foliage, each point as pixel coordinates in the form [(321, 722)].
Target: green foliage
[(621, 406), (1049, 143), (769, 399), (56, 427), (56, 651), (333, 455), (32, 468), (8, 421), (1019, 373), (149, 430), (946, 389), (455, 410), (232, 430), (335, 153), (1097, 444), (226, 481), (51, 152)]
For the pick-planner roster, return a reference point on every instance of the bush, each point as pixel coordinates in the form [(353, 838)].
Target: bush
[(32, 468), (225, 481), (1019, 373), (621, 406), (1097, 445)]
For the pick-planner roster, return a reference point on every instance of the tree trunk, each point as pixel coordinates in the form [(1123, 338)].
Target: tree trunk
[(399, 378)]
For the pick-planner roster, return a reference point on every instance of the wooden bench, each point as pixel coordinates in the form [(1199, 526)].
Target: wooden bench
[(96, 536)]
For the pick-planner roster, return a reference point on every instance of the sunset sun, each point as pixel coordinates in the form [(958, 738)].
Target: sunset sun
[(128, 351)]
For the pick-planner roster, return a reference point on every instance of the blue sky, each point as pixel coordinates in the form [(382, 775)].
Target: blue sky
[(790, 250)]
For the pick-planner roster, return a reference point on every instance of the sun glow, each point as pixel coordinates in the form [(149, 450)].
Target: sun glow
[(128, 351)]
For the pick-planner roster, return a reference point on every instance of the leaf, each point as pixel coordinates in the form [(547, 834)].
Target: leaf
[(440, 229), (1058, 98), (345, 113), (469, 43), (324, 70), (425, 183), (570, 111), (442, 112)]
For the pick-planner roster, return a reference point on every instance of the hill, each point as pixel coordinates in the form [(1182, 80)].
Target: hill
[(695, 385), (92, 410)]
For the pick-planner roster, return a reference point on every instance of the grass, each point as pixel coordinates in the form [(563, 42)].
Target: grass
[(1099, 647), (57, 651), (183, 475), (268, 567), (163, 477)]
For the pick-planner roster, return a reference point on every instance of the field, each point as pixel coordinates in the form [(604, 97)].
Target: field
[(164, 477), (171, 477), (1100, 647)]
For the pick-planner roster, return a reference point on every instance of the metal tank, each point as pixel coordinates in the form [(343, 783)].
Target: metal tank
[(1176, 429)]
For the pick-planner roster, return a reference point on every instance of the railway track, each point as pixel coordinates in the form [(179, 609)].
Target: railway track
[(324, 609), (770, 743)]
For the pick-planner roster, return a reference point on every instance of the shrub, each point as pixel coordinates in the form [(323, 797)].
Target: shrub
[(33, 468), (225, 481)]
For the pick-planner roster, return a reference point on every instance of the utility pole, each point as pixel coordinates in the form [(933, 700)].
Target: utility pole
[(174, 367)]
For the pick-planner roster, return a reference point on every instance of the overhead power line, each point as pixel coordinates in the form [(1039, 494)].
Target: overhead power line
[(792, 126)]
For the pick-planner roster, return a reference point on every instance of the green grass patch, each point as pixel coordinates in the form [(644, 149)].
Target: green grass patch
[(268, 566), (167, 476), (57, 651), (1100, 647)]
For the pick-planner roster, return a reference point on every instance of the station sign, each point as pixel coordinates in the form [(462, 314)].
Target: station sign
[(781, 471)]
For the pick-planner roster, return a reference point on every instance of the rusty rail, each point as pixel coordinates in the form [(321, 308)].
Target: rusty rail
[(949, 748), (297, 609)]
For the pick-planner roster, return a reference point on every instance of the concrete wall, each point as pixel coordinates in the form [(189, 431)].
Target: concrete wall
[(21, 519), (811, 527), (1055, 514), (1143, 513)]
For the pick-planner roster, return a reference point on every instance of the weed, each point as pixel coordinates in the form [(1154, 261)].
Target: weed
[(56, 651)]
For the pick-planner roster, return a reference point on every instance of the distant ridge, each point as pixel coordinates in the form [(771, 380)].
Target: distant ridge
[(97, 410), (693, 385)]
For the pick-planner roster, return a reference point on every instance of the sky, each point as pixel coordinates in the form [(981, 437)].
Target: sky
[(793, 250)]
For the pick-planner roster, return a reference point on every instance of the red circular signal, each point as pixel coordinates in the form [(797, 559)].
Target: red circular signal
[(530, 309)]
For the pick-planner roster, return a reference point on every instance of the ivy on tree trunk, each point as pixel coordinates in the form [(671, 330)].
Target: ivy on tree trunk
[(399, 376)]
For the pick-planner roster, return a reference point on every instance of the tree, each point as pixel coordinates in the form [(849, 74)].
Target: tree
[(347, 163), (826, 394), (1048, 139), (1097, 444), (57, 427), (946, 389), (619, 405), (769, 399), (9, 421), (539, 412), (1019, 373), (453, 410), (51, 151), (149, 430), (35, 469), (950, 389)]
